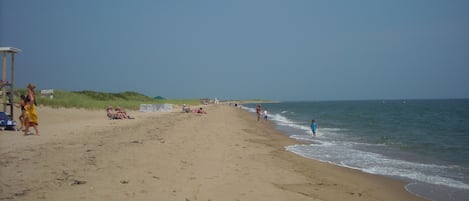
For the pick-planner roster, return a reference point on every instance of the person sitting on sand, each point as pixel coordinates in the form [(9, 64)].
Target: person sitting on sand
[(122, 114), (186, 108), (200, 111), (117, 113), (110, 113)]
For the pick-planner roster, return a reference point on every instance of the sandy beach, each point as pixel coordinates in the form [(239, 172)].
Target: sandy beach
[(223, 155)]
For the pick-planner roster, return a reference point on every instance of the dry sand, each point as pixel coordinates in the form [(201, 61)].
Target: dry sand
[(224, 155)]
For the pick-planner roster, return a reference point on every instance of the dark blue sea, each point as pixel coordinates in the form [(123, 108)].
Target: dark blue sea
[(423, 142)]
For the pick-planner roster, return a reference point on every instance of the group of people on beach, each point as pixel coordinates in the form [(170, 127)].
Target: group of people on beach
[(187, 109), (28, 117), (117, 113)]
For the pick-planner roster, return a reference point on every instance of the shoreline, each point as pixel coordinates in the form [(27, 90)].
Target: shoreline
[(223, 155), (292, 141)]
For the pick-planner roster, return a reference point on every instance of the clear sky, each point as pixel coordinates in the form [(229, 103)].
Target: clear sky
[(279, 50)]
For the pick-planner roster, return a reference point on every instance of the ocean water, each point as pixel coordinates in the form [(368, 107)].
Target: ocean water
[(423, 142)]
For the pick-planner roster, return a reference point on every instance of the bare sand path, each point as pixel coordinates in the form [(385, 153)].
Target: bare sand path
[(224, 155)]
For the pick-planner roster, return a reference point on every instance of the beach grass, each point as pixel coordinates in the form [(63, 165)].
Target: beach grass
[(99, 100)]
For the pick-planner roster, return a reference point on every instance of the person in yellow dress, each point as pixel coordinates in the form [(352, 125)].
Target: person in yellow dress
[(30, 110)]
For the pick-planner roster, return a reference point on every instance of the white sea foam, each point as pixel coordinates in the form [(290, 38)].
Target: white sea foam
[(281, 119), (248, 109), (284, 121), (334, 129), (412, 174), (378, 164), (303, 137)]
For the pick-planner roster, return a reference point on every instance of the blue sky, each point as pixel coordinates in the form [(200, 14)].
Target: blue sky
[(280, 50)]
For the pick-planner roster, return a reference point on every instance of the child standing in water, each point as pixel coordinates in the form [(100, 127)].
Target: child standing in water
[(314, 127)]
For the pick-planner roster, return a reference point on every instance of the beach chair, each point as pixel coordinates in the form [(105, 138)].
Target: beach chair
[(6, 123)]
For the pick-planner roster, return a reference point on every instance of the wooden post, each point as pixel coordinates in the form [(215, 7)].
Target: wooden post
[(4, 77), (12, 97), (12, 71)]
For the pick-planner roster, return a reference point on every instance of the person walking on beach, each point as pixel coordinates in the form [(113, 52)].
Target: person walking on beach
[(265, 113), (314, 127), (21, 105), (258, 112), (30, 110)]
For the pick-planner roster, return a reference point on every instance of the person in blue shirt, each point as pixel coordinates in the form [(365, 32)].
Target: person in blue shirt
[(314, 127)]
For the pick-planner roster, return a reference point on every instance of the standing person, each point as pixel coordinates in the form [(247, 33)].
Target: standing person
[(258, 111), (314, 127), (30, 110), (265, 113), (21, 105)]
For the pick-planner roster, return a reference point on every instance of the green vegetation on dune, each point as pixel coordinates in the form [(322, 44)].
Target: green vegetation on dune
[(101, 96), (99, 100)]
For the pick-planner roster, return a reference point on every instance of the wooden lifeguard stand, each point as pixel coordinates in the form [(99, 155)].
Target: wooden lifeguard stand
[(6, 86)]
